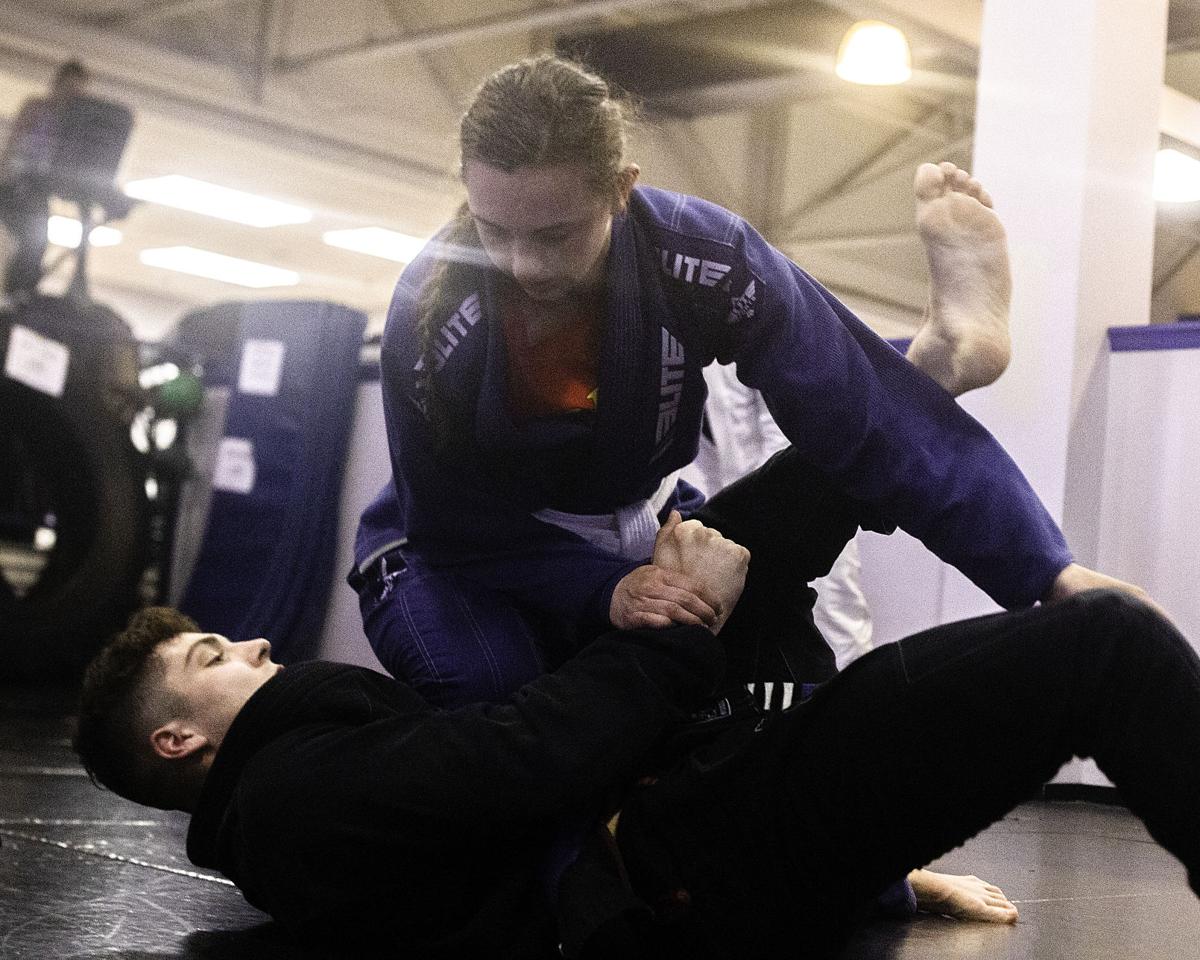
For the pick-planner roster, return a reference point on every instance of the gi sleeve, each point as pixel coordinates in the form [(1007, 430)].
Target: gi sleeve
[(887, 433), (558, 743)]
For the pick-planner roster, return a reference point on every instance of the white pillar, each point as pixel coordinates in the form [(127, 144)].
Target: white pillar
[(1066, 130)]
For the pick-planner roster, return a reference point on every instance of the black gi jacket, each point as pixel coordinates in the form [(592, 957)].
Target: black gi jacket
[(356, 814)]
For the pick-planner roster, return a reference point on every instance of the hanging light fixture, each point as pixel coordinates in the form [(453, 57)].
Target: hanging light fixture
[(874, 53)]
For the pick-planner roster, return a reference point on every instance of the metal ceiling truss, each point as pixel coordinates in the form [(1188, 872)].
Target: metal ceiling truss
[(871, 170), (445, 67), (158, 10), (691, 155), (874, 296), (549, 17), (270, 28), (1173, 271), (857, 174), (856, 241), (766, 167), (215, 96)]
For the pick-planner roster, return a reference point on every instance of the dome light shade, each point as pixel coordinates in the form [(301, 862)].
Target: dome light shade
[(1176, 177), (874, 53)]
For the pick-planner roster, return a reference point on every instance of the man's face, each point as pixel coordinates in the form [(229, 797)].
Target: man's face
[(213, 678), (546, 227)]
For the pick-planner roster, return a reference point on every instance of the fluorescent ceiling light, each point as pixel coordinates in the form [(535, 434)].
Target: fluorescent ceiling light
[(376, 241), (216, 201), (65, 232), (874, 53), (217, 266), (1176, 177)]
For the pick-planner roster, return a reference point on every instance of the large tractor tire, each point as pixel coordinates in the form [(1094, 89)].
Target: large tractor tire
[(74, 516)]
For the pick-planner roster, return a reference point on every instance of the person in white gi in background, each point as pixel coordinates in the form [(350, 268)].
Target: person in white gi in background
[(744, 436)]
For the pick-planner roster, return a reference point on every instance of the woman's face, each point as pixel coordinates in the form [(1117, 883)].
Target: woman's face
[(546, 227)]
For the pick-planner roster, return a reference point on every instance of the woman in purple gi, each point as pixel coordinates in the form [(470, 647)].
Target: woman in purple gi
[(542, 383)]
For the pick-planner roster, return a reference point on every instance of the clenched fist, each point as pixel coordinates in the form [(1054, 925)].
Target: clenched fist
[(716, 566)]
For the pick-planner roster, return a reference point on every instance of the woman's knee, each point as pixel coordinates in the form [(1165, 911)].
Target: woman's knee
[(451, 640)]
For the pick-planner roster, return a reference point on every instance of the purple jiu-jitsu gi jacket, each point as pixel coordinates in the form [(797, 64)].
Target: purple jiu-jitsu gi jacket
[(688, 282)]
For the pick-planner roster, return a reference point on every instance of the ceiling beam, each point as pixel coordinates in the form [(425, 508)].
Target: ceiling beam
[(849, 178), (147, 77), (550, 17), (453, 78), (836, 270), (1172, 271), (158, 10), (1179, 116), (916, 313), (765, 166), (856, 241), (264, 45), (692, 157)]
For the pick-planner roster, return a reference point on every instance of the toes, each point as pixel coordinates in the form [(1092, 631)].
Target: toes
[(930, 181), (936, 180), (975, 189), (955, 178)]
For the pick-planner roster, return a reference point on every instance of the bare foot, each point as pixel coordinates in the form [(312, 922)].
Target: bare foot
[(963, 343), (964, 898)]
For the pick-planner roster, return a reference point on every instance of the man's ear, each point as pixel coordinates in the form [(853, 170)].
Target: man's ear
[(177, 739)]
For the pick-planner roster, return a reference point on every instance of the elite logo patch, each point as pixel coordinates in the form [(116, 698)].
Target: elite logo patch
[(670, 391), (707, 273), (743, 306), (454, 330)]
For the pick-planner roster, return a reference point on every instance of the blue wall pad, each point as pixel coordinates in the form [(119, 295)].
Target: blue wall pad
[(265, 564), (1184, 335)]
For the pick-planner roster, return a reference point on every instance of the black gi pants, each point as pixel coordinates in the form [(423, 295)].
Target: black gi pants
[(795, 524), (775, 839)]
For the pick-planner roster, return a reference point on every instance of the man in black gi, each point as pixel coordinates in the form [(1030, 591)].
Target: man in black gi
[(357, 815)]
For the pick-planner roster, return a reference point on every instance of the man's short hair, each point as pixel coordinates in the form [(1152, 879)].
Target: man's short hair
[(122, 701)]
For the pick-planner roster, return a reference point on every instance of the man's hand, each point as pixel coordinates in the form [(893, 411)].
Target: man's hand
[(718, 566), (651, 596)]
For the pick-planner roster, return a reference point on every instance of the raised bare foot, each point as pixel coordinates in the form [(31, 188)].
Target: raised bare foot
[(964, 898), (963, 343)]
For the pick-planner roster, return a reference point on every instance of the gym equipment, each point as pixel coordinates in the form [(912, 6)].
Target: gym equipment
[(75, 513), (284, 377), (73, 509)]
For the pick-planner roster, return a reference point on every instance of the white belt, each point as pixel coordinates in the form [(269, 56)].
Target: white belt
[(628, 532)]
